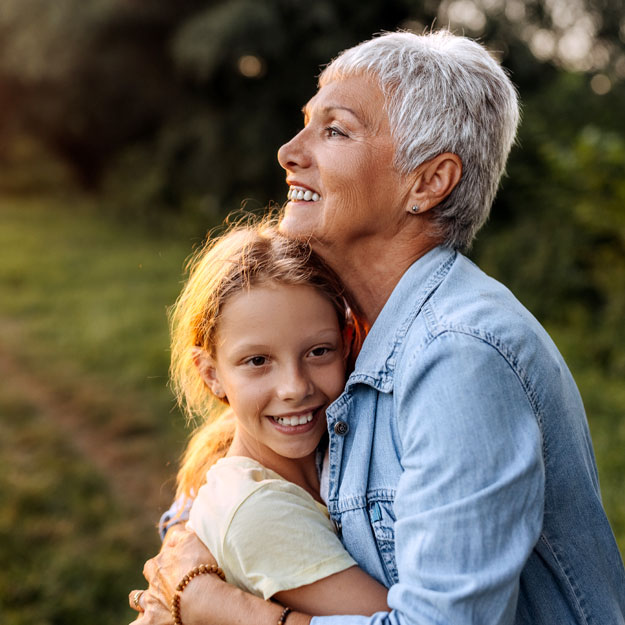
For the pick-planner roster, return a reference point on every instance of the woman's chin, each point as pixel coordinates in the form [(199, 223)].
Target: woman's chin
[(300, 220)]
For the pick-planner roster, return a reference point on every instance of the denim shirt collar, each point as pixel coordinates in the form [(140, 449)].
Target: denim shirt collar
[(375, 364)]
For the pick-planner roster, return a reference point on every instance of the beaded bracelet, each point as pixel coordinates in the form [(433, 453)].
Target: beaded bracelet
[(198, 570), (285, 613)]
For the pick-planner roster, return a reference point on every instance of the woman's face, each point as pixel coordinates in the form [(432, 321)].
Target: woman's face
[(342, 165)]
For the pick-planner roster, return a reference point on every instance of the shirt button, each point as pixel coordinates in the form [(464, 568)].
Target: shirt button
[(341, 428)]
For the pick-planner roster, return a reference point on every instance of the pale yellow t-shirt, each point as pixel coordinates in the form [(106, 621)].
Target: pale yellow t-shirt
[(265, 532)]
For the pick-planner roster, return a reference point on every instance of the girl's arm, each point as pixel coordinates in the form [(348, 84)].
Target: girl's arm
[(279, 543), (351, 591)]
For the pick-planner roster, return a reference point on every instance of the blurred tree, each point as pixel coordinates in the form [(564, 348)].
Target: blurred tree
[(181, 106), (86, 78), (557, 232), (246, 69), (192, 99)]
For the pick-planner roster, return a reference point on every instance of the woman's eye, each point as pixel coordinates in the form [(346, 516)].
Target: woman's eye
[(332, 131), (257, 361)]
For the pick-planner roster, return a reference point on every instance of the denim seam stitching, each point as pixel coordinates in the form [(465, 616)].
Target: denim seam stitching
[(497, 345), (573, 589)]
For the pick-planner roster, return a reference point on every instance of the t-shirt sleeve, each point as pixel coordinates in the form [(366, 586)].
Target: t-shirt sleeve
[(279, 539)]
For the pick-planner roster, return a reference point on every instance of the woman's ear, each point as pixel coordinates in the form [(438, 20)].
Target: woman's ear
[(435, 180), (206, 368)]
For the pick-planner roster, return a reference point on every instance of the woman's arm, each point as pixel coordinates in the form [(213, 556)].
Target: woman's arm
[(213, 602), (207, 600)]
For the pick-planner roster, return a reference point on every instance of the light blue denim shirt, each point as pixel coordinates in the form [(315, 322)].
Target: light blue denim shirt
[(462, 473)]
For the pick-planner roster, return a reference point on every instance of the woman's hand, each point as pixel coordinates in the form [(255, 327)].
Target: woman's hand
[(206, 600), (182, 550)]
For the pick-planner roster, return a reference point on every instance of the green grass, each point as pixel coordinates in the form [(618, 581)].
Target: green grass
[(88, 292), (69, 551), (83, 303), (605, 406)]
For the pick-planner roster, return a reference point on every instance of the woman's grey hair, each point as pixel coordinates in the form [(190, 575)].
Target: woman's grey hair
[(444, 93)]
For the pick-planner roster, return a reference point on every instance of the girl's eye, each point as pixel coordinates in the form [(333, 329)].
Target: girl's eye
[(319, 351), (257, 361)]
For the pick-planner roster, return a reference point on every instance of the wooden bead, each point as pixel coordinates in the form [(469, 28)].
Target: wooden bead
[(198, 570)]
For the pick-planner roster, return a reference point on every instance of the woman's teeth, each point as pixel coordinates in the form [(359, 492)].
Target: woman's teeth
[(296, 420), (298, 194)]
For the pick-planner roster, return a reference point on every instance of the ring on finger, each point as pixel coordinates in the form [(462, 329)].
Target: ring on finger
[(136, 598)]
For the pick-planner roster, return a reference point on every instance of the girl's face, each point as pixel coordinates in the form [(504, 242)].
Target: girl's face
[(280, 361)]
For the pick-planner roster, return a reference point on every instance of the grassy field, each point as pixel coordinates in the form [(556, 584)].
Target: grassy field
[(88, 433)]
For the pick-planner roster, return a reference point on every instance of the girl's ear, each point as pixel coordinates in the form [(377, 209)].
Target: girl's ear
[(206, 368)]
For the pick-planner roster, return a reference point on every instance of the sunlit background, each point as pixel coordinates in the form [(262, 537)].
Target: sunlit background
[(128, 128)]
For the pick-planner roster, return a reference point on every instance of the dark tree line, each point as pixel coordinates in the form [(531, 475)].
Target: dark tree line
[(180, 107)]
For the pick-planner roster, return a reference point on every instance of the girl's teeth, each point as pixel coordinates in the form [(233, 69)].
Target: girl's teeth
[(315, 197), (296, 420), (307, 195)]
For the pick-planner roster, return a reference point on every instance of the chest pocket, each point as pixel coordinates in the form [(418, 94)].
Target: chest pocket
[(382, 520)]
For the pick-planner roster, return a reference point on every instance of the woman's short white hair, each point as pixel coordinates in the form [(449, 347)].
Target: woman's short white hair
[(444, 93)]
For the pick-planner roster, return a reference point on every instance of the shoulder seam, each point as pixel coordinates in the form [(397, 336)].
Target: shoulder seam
[(494, 342)]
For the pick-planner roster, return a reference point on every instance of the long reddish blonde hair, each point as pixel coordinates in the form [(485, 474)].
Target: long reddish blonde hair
[(247, 254)]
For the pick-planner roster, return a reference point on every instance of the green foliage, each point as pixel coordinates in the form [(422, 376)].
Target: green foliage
[(557, 234), (69, 551), (83, 317), (89, 291), (158, 92)]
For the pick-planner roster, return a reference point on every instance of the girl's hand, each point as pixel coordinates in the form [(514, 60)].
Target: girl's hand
[(182, 550)]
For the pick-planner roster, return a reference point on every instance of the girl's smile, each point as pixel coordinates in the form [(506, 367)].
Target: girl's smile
[(279, 360), (296, 423)]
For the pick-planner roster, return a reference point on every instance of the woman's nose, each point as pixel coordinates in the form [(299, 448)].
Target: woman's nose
[(294, 153), (294, 385)]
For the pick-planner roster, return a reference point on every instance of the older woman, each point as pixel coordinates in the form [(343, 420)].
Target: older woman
[(460, 470)]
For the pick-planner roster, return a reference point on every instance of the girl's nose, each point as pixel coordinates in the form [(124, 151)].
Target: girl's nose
[(294, 154), (294, 385)]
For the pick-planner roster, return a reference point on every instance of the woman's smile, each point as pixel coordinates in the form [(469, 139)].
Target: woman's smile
[(343, 185), (298, 193)]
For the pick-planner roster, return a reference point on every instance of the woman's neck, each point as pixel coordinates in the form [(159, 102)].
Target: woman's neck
[(371, 271)]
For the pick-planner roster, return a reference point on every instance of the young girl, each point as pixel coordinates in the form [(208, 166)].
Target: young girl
[(263, 328)]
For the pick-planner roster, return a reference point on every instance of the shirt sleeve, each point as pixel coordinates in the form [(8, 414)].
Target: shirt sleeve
[(278, 540), (469, 503)]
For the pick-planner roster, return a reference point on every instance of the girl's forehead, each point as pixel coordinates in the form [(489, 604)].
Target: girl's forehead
[(273, 309)]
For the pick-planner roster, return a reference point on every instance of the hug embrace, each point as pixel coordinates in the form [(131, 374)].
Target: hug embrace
[(388, 436)]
